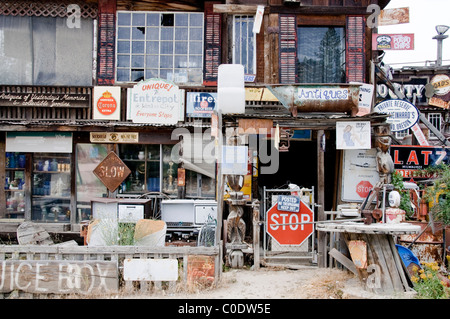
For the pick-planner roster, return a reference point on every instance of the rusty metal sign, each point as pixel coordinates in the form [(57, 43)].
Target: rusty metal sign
[(112, 171), (317, 97)]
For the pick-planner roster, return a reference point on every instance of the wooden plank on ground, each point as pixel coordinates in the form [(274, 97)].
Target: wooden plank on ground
[(29, 233), (343, 260)]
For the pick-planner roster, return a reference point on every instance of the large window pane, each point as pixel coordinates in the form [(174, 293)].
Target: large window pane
[(44, 51), (169, 41), (244, 43), (88, 185), (321, 55)]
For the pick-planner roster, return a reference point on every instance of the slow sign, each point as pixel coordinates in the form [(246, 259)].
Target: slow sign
[(112, 171)]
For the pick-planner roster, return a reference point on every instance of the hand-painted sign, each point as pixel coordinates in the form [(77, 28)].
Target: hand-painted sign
[(288, 203), (322, 93), (200, 104), (411, 160), (59, 276), (403, 114), (393, 41), (156, 101)]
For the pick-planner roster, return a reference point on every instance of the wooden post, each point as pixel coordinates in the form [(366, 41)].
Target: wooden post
[(220, 181), (256, 234), (321, 246)]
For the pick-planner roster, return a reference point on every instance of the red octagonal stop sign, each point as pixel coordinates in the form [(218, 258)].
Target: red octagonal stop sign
[(363, 188), (293, 233)]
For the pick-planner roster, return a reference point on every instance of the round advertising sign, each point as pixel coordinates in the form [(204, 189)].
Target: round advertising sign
[(403, 114), (106, 104), (441, 84)]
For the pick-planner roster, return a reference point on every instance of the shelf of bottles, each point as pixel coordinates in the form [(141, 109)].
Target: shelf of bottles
[(146, 167), (51, 187), (15, 185)]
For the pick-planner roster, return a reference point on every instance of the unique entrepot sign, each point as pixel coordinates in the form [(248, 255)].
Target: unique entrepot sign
[(112, 171), (59, 276), (287, 228)]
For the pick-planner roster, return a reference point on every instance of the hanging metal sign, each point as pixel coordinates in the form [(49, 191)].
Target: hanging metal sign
[(403, 114), (112, 171)]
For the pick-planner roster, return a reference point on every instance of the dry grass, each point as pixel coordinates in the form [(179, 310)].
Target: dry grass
[(326, 285)]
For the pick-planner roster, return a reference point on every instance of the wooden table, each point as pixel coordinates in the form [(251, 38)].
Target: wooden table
[(374, 254)]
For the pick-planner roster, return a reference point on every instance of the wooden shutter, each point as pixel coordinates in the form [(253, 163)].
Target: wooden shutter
[(213, 37), (106, 42), (288, 49), (355, 44)]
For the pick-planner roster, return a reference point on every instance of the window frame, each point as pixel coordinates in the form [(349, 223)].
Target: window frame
[(434, 117), (199, 55), (342, 58), (252, 41)]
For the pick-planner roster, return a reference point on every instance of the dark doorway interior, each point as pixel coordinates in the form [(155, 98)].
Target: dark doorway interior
[(299, 166)]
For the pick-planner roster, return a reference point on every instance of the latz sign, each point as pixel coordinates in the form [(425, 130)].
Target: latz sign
[(112, 171), (410, 161), (288, 203)]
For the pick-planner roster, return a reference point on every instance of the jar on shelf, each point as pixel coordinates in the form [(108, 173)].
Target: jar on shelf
[(54, 166), (21, 161)]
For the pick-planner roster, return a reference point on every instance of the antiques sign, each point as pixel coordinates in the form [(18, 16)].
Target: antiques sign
[(59, 276), (112, 171), (44, 99)]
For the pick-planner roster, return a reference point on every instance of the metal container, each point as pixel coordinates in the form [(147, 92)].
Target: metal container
[(336, 98), (429, 247)]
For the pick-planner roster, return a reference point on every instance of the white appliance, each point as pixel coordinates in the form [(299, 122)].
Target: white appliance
[(185, 217)]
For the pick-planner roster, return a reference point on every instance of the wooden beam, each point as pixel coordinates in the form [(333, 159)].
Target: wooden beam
[(346, 262), (320, 10), (235, 8), (321, 247)]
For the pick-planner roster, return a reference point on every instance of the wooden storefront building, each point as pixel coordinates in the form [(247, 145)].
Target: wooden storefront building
[(51, 138)]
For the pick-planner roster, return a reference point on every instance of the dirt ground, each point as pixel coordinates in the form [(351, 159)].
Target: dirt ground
[(279, 283)]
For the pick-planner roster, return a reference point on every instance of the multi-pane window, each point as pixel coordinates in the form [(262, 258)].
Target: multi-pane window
[(436, 120), (159, 45), (321, 55), (401, 134), (244, 43)]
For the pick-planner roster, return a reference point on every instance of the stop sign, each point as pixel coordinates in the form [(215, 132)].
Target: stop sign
[(293, 233), (363, 188)]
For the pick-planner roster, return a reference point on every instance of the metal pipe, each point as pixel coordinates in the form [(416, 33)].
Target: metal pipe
[(323, 221)]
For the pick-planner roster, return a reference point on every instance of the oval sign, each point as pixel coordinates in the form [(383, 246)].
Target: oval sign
[(403, 114)]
